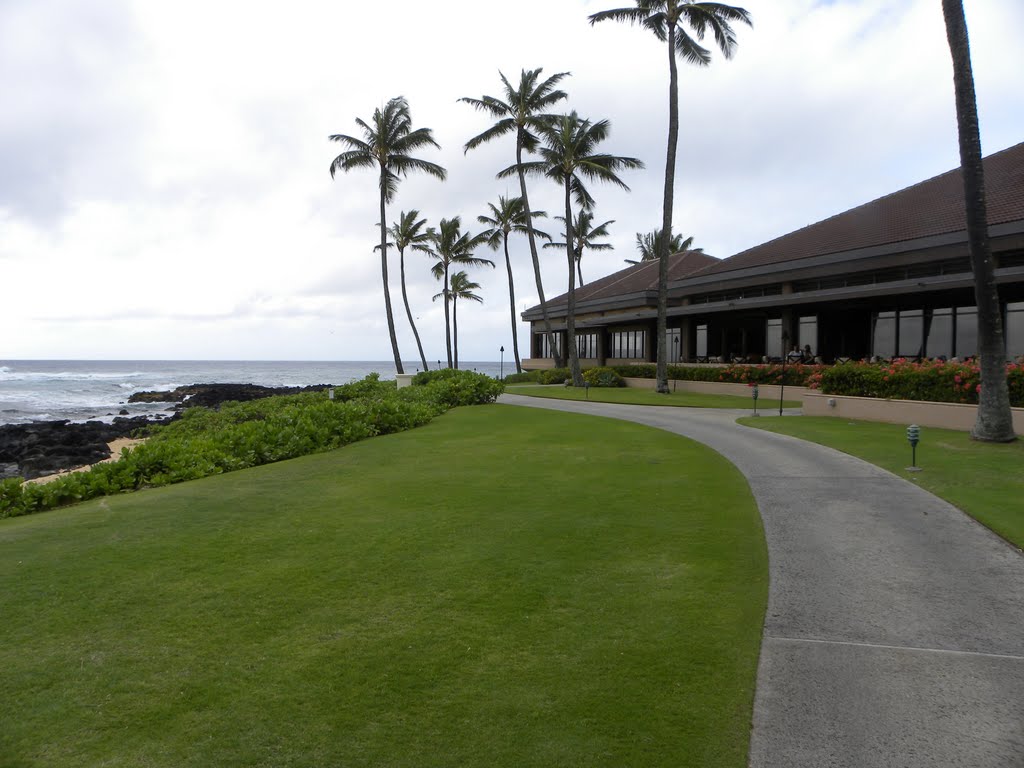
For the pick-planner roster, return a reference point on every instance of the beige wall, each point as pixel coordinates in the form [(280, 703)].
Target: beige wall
[(765, 392), (924, 414)]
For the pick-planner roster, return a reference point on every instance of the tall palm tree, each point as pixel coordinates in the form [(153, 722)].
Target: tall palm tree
[(450, 245), (585, 235), (669, 20), (995, 419), (509, 216), (460, 287), (524, 110), (387, 141), (647, 244), (569, 156), (409, 232)]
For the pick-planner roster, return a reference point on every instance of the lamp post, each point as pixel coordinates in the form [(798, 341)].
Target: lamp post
[(913, 437), (753, 392), (782, 383), (501, 365)]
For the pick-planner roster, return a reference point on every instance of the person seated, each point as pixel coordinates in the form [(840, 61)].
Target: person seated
[(795, 355)]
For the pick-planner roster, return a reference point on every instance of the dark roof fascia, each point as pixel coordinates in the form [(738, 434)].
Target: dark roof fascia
[(625, 301), (793, 269)]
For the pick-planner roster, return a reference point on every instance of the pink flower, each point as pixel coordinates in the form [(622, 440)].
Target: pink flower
[(957, 378), (978, 388)]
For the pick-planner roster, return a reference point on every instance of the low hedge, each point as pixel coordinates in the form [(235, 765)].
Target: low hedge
[(934, 380), (239, 435), (603, 377), (797, 374)]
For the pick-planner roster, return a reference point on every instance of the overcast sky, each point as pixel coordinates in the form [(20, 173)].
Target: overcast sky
[(164, 185)]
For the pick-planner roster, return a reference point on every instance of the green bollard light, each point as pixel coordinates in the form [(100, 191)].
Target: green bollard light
[(913, 437)]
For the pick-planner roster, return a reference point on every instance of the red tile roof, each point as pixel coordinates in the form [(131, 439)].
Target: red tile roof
[(933, 207)]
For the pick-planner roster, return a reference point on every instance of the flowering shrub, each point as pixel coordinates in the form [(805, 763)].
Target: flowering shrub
[(797, 374), (934, 380)]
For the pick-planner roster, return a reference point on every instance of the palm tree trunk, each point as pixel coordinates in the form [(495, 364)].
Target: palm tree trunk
[(570, 314), (408, 312), (512, 305), (447, 322), (579, 268), (661, 372), (555, 353), (455, 328), (384, 278), (995, 420)]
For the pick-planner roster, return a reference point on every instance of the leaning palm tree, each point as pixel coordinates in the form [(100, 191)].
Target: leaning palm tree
[(569, 156), (460, 287), (509, 216), (585, 236), (409, 232), (668, 20), (450, 245), (525, 111), (647, 244), (994, 421), (386, 144)]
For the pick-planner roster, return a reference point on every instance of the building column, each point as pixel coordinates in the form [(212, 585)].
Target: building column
[(686, 341), (602, 347)]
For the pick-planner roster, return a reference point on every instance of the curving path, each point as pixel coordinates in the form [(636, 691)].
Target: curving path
[(894, 634)]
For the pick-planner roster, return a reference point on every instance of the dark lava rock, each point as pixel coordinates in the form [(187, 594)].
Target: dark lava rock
[(44, 447)]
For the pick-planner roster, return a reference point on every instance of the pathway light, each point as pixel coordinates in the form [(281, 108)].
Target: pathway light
[(913, 437)]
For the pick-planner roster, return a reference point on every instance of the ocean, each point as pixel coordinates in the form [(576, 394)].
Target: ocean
[(79, 390)]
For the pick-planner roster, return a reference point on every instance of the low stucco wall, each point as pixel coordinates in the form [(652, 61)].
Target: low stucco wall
[(766, 392), (924, 414)]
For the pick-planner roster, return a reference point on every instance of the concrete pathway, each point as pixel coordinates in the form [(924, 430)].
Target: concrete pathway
[(894, 634)]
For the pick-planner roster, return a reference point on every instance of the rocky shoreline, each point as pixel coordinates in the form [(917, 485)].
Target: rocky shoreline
[(41, 448)]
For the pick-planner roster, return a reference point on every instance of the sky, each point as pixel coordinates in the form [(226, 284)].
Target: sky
[(164, 183)]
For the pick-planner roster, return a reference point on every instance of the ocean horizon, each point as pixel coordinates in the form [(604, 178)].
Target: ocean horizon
[(81, 390)]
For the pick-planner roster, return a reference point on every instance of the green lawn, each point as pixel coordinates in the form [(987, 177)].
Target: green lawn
[(503, 587), (985, 480), (637, 396)]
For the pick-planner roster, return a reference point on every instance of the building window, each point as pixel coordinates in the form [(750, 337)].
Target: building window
[(674, 339), (773, 337), (883, 341), (702, 342), (629, 345), (911, 333), (544, 344), (1015, 329), (940, 334), (808, 336), (586, 345), (966, 332)]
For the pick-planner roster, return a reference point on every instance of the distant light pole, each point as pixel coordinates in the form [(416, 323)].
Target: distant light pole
[(501, 365), (782, 383)]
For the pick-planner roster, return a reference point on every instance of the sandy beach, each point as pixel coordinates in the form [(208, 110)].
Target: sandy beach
[(116, 446)]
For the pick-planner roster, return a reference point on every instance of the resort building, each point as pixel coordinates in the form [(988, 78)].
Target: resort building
[(891, 278)]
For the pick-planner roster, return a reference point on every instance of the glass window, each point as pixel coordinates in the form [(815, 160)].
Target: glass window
[(940, 334), (883, 343), (702, 341), (627, 345), (1015, 329), (966, 332), (773, 337), (809, 333), (586, 345), (544, 344), (911, 333)]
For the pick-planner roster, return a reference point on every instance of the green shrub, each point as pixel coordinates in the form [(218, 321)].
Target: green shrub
[(797, 374), (205, 442), (603, 377)]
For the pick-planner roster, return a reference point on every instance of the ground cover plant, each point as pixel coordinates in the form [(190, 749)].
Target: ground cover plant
[(985, 480), (636, 396), (502, 587), (248, 434)]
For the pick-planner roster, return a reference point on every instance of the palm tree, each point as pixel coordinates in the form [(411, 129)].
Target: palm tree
[(386, 144), (995, 420), (569, 155), (509, 216), (647, 244), (668, 20), (408, 232), (585, 236), (450, 245), (461, 287), (525, 111)]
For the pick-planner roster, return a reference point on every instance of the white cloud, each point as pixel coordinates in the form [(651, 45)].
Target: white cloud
[(166, 191)]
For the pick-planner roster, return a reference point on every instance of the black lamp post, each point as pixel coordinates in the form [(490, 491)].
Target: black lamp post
[(501, 365), (782, 383)]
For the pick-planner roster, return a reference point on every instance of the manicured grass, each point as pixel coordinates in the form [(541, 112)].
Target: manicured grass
[(503, 587), (637, 396), (985, 480)]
